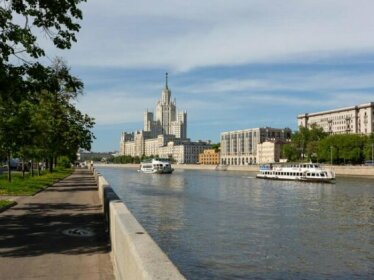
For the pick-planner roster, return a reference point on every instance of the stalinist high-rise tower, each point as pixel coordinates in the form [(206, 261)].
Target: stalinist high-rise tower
[(165, 109), (164, 134), (168, 121)]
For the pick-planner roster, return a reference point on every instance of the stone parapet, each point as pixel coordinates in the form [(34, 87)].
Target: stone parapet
[(134, 254)]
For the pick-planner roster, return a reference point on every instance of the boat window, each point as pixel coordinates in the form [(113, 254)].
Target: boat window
[(308, 174), (313, 174), (322, 174), (304, 165)]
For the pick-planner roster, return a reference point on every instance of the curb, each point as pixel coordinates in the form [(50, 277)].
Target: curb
[(7, 207)]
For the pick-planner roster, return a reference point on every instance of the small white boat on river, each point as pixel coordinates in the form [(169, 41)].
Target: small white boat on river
[(308, 172), (158, 166)]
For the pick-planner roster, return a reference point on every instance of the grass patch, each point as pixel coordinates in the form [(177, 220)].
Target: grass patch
[(30, 185), (5, 203)]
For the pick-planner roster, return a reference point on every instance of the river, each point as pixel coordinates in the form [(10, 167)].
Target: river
[(229, 225)]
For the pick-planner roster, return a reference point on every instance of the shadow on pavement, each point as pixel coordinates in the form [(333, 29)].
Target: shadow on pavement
[(40, 230)]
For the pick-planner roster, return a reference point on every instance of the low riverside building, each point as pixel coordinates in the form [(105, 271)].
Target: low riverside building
[(209, 156), (269, 151), (186, 152), (239, 147), (165, 136), (357, 119)]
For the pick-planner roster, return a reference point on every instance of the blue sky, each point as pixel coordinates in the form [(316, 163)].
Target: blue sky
[(232, 64)]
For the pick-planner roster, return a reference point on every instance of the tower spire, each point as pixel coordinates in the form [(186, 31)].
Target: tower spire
[(166, 81)]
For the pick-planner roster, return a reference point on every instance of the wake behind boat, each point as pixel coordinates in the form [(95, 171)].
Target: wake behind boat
[(307, 172), (156, 166)]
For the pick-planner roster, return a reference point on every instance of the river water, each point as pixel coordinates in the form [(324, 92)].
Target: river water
[(229, 225)]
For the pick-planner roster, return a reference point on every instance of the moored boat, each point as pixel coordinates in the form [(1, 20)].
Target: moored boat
[(158, 166), (307, 172)]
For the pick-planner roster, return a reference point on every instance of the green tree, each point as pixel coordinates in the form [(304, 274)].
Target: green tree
[(20, 23), (216, 147), (312, 150), (291, 152), (304, 143), (342, 148), (369, 147), (22, 20)]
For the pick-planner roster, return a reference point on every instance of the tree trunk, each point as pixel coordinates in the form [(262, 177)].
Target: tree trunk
[(32, 168), (51, 164), (9, 169), (38, 168), (23, 168)]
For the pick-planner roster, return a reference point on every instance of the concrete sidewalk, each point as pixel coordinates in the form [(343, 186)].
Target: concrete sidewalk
[(57, 234)]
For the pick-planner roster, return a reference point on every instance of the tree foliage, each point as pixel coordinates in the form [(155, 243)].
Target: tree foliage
[(315, 145), (37, 116), (21, 20), (342, 148), (303, 143)]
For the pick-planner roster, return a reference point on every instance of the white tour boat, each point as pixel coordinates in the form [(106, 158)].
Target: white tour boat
[(159, 166), (308, 172)]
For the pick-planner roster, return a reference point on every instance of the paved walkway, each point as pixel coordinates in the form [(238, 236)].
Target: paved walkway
[(33, 240)]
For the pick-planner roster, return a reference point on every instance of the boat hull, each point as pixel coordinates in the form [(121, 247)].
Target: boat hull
[(299, 179), (302, 172), (156, 166)]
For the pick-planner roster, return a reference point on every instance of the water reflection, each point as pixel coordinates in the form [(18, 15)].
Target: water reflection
[(227, 225)]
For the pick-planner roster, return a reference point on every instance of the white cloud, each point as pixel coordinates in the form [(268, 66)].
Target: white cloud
[(323, 82), (114, 107), (221, 98), (183, 35)]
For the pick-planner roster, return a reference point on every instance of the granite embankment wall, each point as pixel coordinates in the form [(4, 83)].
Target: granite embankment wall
[(340, 170), (134, 254)]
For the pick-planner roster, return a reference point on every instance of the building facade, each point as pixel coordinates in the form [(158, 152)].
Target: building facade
[(186, 152), (357, 119), (209, 157), (240, 147), (269, 152), (164, 134)]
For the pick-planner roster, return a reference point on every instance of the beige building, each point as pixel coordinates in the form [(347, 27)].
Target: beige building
[(357, 119), (187, 152), (164, 136), (240, 147), (269, 152), (209, 156)]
